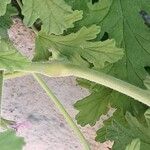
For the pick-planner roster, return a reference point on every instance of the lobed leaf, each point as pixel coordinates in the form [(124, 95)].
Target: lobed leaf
[(96, 12), (76, 48), (91, 108), (56, 15)]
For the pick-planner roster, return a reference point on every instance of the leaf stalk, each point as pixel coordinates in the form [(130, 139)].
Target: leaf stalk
[(62, 110), (59, 69)]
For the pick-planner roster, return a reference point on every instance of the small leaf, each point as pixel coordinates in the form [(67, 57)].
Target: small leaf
[(3, 5), (6, 21), (134, 145), (96, 12), (122, 133), (91, 108), (56, 15), (10, 57), (9, 141)]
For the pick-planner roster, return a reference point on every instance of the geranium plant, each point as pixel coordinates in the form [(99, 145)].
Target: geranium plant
[(105, 44)]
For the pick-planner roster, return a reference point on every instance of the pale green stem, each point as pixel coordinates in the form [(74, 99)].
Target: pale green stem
[(19, 3), (63, 111), (59, 69), (14, 75)]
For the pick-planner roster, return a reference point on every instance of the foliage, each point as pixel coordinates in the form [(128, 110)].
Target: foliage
[(110, 36), (123, 133), (9, 140), (5, 21), (135, 145), (132, 34), (10, 58), (56, 15), (3, 6), (77, 48)]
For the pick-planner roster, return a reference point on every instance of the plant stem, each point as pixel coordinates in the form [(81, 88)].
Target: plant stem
[(14, 75), (62, 110), (59, 69), (19, 3)]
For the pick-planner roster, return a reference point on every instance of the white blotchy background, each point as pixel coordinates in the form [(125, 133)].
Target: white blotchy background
[(43, 127)]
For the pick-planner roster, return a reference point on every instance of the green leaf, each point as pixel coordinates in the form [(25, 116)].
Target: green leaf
[(132, 34), (77, 48), (100, 99), (9, 141), (91, 108), (10, 57), (55, 15), (134, 145), (6, 21), (90, 11), (99, 102), (3, 5), (122, 134)]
